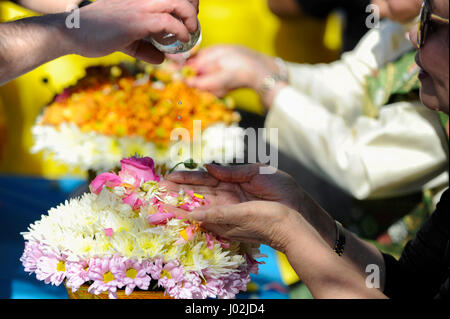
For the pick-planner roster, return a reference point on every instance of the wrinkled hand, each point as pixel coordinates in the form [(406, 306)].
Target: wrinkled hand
[(107, 26), (222, 69), (229, 185), (258, 222), (225, 185)]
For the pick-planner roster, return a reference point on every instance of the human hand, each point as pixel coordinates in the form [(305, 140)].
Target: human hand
[(228, 185), (225, 185), (107, 26), (257, 222), (222, 69)]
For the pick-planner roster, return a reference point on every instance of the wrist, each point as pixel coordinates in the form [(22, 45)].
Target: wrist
[(295, 231), (273, 79), (318, 218), (269, 95)]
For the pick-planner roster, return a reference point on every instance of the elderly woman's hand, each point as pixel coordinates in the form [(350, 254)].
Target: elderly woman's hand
[(258, 222), (222, 69), (227, 185), (224, 185)]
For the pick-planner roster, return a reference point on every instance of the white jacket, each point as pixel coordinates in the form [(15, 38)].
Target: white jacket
[(323, 126)]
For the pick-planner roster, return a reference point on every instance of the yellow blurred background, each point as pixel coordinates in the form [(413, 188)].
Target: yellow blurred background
[(248, 23)]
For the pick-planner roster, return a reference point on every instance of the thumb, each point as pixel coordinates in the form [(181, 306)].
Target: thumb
[(217, 215), (179, 213)]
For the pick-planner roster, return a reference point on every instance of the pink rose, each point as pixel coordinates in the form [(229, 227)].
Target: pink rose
[(139, 168), (105, 179)]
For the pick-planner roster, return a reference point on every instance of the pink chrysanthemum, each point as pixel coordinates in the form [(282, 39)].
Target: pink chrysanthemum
[(104, 280), (171, 275), (211, 287), (234, 283), (132, 274), (188, 288), (30, 256), (51, 268), (77, 274), (155, 268)]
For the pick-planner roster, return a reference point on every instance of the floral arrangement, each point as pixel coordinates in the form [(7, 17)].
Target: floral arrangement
[(121, 110), (127, 234)]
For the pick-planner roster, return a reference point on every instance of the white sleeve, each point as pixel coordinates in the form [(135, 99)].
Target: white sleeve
[(339, 86), (393, 155)]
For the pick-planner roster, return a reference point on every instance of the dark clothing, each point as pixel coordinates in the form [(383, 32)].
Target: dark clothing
[(355, 12), (424, 267)]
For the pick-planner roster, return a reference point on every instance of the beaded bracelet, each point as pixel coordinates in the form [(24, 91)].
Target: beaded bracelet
[(339, 246)]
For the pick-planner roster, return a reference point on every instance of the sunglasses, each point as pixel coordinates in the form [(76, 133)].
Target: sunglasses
[(426, 18)]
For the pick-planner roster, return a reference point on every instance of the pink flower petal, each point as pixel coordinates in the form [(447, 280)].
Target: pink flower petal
[(105, 179), (160, 218), (133, 200), (109, 232)]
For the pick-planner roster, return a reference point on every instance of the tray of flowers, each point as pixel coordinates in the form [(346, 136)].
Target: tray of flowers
[(117, 111), (126, 238)]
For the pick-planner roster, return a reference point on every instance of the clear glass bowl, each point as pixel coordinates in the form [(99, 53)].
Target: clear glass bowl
[(168, 43)]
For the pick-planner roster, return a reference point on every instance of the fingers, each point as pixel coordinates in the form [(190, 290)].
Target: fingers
[(195, 4), (193, 178), (183, 9), (165, 23), (217, 215), (173, 187), (205, 61), (179, 213), (215, 83), (226, 214), (234, 174), (144, 50)]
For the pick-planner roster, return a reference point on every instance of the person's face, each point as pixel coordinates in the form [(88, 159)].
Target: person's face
[(402, 11), (433, 59)]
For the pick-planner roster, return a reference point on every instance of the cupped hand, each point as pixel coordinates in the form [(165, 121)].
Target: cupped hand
[(107, 26), (255, 222), (225, 185), (222, 69)]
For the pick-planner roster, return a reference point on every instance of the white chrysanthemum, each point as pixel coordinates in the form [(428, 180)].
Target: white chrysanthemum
[(125, 244), (151, 245), (102, 225)]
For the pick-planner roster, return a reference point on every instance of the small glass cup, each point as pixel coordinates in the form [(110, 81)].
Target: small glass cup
[(168, 43)]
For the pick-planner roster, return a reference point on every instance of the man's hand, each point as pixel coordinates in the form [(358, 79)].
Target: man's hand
[(105, 26), (120, 25)]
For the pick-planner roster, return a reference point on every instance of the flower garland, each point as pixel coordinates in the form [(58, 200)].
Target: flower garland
[(122, 110), (124, 234)]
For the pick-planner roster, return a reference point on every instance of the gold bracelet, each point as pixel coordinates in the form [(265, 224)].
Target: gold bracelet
[(339, 246)]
